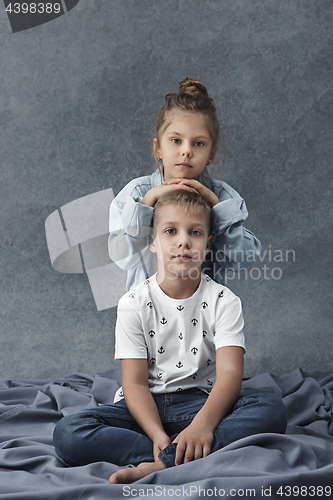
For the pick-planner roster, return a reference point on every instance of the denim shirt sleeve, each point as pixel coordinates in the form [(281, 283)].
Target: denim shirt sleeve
[(130, 225), (233, 243)]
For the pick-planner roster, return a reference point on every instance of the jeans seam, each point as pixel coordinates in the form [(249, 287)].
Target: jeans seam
[(166, 458), (243, 403)]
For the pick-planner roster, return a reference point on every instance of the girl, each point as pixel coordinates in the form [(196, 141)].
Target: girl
[(187, 135)]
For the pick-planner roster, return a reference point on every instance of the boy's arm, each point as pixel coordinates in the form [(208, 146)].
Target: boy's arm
[(195, 441), (140, 402)]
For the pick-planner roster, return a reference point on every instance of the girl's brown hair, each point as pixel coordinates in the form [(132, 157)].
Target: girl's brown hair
[(192, 96)]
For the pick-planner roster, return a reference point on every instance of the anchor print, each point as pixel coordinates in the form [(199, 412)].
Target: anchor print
[(152, 360), (180, 308), (163, 321), (221, 294), (194, 350), (204, 305), (151, 333), (194, 321), (146, 282), (181, 336), (204, 333), (179, 364), (179, 389), (161, 350), (159, 376), (209, 382), (150, 304), (131, 295), (121, 394), (194, 376), (208, 362), (208, 278)]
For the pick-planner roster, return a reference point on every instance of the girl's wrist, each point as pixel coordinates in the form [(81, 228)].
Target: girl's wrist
[(214, 200), (148, 200)]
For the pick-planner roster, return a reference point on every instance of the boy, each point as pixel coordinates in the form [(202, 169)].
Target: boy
[(179, 337)]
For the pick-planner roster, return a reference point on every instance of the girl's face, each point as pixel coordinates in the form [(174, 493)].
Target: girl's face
[(186, 146)]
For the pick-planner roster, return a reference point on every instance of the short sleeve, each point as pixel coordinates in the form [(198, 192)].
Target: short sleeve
[(130, 341), (229, 321)]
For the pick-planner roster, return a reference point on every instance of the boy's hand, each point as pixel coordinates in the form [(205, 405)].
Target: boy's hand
[(160, 443), (154, 194), (192, 443), (196, 186)]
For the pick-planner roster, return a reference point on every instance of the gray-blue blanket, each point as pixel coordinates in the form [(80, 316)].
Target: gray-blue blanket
[(298, 464)]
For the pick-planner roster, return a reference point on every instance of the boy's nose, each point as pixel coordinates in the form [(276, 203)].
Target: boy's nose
[(184, 240)]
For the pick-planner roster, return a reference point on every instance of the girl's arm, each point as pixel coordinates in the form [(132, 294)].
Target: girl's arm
[(130, 227), (140, 402), (195, 441)]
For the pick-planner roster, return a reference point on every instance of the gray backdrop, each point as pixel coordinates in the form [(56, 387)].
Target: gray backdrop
[(79, 98)]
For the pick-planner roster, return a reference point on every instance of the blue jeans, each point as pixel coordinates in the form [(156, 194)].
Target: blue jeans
[(109, 433)]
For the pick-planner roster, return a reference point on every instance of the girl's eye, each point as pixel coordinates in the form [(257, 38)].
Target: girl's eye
[(199, 143), (176, 141), (170, 231)]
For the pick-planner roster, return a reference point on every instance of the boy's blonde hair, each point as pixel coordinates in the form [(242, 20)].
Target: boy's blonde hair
[(186, 199)]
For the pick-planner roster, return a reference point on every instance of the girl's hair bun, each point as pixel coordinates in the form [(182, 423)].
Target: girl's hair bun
[(193, 88)]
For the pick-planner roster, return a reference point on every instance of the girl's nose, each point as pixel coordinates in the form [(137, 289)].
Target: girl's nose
[(187, 151)]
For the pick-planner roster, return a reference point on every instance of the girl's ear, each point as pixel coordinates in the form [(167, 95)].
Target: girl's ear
[(156, 151), (211, 157)]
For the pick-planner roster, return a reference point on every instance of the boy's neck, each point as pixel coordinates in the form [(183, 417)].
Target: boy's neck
[(178, 287)]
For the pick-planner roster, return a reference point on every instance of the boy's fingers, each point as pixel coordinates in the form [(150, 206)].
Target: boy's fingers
[(189, 454), (198, 453), (179, 454), (206, 450)]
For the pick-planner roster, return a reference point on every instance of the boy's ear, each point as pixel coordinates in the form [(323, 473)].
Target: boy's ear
[(152, 246), (209, 242)]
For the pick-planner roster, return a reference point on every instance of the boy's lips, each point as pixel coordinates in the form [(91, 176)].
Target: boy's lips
[(183, 256)]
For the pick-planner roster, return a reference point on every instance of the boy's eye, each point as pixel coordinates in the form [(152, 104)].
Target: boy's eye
[(195, 231), (170, 231)]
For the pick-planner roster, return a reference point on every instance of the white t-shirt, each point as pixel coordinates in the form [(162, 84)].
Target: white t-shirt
[(178, 337)]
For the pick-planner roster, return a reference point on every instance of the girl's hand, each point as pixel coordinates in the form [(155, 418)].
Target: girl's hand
[(192, 443), (154, 194), (161, 442), (197, 187)]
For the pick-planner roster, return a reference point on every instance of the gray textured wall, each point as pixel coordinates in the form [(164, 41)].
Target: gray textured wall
[(78, 100)]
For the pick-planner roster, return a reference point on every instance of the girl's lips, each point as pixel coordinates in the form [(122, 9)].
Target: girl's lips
[(184, 165)]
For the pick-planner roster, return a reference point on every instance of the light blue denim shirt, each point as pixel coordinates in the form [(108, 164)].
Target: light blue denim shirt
[(130, 226)]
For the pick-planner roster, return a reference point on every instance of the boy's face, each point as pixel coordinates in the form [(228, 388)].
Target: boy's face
[(181, 241)]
